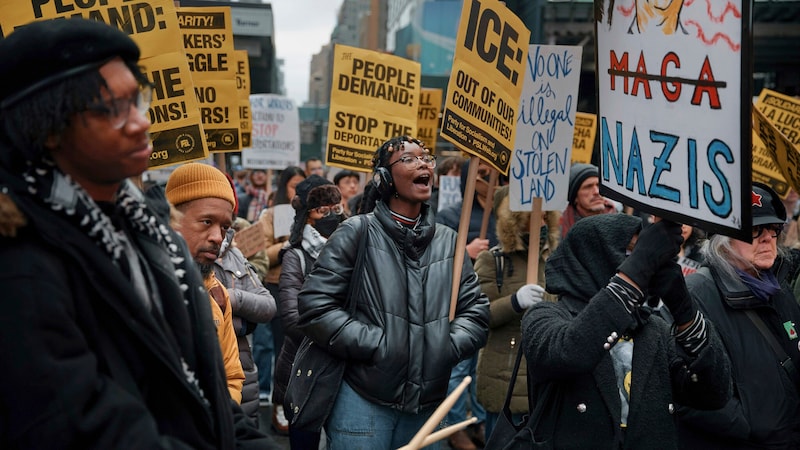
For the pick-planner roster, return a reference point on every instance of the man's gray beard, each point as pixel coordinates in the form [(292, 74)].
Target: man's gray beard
[(206, 270)]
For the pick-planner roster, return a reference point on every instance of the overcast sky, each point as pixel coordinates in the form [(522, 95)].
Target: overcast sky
[(302, 27)]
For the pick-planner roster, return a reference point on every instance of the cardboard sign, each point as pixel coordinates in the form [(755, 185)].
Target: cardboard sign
[(674, 112), (480, 110), (251, 240), (430, 106), (374, 97), (583, 137), (541, 161), (275, 140)]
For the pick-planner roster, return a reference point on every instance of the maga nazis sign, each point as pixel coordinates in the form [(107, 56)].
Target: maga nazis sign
[(674, 110)]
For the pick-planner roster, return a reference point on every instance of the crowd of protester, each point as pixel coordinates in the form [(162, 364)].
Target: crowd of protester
[(133, 319)]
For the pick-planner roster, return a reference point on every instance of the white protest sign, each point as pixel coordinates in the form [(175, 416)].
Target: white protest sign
[(674, 119), (282, 220), (545, 123), (275, 138), (449, 191)]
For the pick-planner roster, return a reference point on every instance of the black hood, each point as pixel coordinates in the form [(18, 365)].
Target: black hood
[(590, 254)]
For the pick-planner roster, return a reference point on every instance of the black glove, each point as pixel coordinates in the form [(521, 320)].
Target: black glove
[(668, 283), (657, 245)]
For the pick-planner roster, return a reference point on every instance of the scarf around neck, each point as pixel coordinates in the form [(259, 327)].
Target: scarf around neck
[(312, 241), (763, 287)]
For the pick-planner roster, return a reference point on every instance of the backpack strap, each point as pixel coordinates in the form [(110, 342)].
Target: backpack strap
[(302, 255)]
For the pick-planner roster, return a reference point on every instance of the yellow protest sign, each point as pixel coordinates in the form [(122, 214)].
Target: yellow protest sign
[(153, 24), (243, 88), (765, 170), (784, 113), (219, 111), (430, 105), (208, 41), (480, 109), (176, 128), (583, 137), (778, 146), (374, 97)]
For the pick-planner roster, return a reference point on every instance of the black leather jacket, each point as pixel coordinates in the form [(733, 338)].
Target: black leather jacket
[(401, 345)]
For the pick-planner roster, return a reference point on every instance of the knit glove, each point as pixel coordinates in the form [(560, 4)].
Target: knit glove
[(657, 245), (668, 283), (527, 296)]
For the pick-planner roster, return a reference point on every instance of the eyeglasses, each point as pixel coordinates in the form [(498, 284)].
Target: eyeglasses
[(118, 111), (326, 211), (410, 161), (775, 230)]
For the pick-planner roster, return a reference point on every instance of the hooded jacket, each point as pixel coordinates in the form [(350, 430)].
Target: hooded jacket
[(400, 346), (764, 412), (84, 363), (564, 345)]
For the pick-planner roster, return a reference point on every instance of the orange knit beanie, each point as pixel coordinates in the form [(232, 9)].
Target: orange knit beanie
[(196, 180)]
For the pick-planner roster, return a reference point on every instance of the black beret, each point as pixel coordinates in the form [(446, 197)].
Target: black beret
[(42, 53)]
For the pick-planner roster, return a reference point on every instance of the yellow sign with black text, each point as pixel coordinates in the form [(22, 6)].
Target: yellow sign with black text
[(430, 108), (480, 109), (583, 137), (374, 97), (243, 88), (783, 112)]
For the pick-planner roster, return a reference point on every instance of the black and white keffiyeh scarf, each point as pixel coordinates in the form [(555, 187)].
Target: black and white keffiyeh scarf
[(69, 200)]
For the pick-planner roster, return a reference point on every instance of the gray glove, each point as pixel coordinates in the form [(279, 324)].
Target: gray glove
[(527, 296)]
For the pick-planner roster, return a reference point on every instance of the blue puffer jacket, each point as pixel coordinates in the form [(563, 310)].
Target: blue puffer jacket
[(401, 345)]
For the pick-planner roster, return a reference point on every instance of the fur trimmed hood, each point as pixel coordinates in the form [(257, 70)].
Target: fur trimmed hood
[(11, 218), (512, 226)]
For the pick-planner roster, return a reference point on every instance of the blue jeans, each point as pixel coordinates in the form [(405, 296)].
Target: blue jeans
[(263, 355), (458, 413), (358, 424)]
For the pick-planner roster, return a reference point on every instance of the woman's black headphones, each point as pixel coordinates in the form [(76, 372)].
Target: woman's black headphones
[(382, 178)]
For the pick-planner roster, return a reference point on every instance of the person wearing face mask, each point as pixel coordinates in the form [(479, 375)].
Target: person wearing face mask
[(318, 211), (400, 344), (742, 289)]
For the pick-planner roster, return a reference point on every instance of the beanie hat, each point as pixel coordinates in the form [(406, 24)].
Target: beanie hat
[(767, 207), (45, 52), (195, 180), (578, 173), (315, 191)]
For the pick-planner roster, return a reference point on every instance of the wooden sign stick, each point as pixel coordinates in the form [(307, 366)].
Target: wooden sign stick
[(463, 229), (437, 415), (533, 241)]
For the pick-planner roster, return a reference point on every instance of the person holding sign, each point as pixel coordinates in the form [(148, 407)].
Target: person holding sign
[(106, 327), (742, 289), (400, 345), (583, 196), (608, 372)]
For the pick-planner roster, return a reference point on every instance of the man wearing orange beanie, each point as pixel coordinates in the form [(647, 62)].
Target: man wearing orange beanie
[(205, 200)]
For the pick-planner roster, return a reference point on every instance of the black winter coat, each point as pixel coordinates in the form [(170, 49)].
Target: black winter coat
[(764, 412), (564, 344), (401, 345), (85, 365)]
